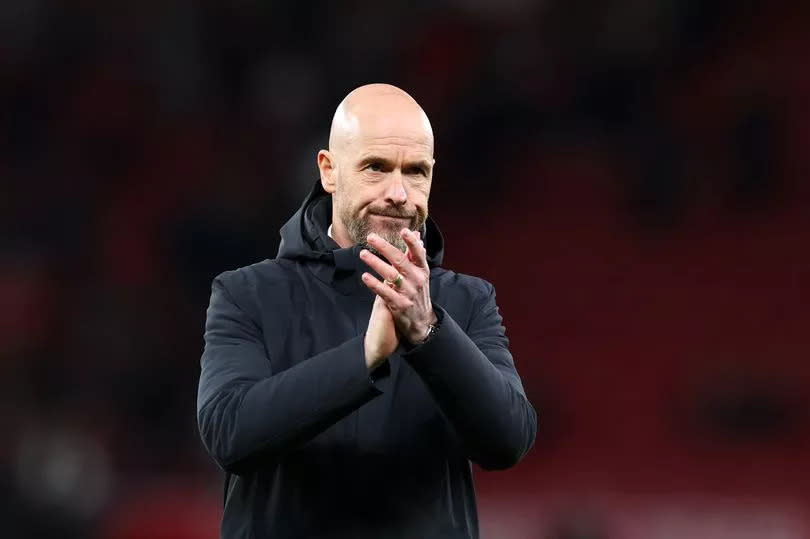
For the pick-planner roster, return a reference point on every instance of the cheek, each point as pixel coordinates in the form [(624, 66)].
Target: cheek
[(419, 197), (344, 192), (421, 188), (355, 200), (368, 195)]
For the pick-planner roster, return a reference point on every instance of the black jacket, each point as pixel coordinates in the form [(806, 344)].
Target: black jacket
[(315, 447)]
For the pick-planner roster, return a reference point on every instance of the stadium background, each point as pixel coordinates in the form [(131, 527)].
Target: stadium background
[(632, 175)]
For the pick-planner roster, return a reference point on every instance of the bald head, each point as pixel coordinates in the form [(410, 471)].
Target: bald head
[(379, 165), (378, 110)]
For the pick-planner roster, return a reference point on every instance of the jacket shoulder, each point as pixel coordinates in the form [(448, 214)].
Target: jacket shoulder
[(475, 287), (461, 295), (251, 275), (242, 283)]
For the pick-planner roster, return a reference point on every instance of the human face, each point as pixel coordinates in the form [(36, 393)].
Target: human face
[(384, 189), (380, 174)]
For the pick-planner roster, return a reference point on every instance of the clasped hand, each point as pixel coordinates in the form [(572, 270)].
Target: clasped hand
[(409, 309)]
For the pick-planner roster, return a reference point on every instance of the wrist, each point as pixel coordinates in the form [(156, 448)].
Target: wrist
[(419, 336), (424, 332), (372, 358)]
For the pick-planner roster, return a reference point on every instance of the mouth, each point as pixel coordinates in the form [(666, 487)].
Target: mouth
[(406, 221)]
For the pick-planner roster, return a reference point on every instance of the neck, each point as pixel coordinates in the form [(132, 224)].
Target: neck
[(339, 234)]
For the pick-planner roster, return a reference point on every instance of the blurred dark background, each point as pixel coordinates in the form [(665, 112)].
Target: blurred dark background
[(632, 175)]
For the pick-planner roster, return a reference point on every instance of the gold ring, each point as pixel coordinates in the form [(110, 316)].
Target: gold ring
[(396, 283)]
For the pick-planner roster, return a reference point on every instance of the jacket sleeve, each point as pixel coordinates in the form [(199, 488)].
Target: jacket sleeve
[(246, 411), (473, 379)]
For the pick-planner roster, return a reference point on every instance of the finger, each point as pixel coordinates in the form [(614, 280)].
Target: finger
[(416, 248), (386, 271), (413, 256), (391, 297), (394, 256)]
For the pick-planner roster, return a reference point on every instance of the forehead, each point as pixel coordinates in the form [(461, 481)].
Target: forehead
[(392, 130)]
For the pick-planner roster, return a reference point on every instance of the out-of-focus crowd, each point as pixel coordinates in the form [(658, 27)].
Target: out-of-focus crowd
[(147, 146)]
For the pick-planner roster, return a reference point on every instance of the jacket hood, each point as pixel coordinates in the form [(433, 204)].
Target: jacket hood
[(304, 237)]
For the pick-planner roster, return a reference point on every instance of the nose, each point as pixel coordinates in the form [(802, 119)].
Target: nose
[(396, 193)]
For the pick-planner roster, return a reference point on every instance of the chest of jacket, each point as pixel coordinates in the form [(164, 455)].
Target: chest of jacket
[(302, 316)]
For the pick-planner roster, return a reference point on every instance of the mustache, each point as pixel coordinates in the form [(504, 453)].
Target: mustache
[(390, 212)]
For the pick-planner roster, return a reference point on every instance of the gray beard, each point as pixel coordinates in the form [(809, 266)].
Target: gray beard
[(359, 229)]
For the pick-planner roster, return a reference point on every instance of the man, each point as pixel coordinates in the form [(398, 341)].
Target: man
[(347, 384)]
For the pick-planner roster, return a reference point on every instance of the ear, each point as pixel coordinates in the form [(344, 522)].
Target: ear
[(327, 166)]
